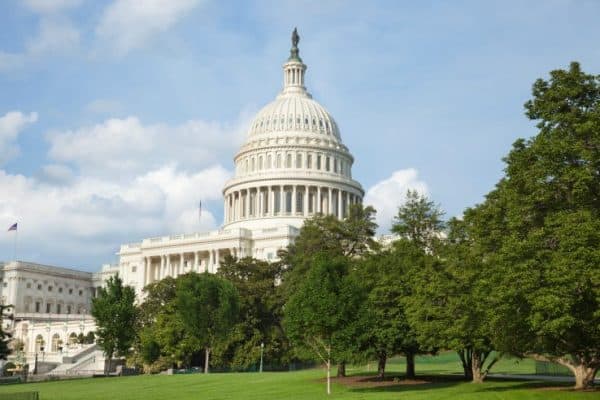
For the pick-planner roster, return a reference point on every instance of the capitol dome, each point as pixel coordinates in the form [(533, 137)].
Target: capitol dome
[(293, 163)]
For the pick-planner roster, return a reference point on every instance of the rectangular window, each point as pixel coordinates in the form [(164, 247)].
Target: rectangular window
[(309, 161), (288, 202), (327, 164), (58, 308), (319, 162), (68, 309), (48, 307), (277, 204), (37, 306), (299, 202), (335, 165), (298, 160)]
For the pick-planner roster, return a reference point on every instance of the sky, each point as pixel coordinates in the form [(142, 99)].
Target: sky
[(118, 117)]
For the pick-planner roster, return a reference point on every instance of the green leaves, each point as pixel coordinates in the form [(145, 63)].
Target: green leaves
[(115, 315)]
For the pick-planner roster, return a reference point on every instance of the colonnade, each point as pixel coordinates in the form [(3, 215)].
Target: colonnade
[(282, 200), (160, 266)]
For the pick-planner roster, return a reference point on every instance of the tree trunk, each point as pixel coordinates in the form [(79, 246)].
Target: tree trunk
[(410, 365), (381, 365), (465, 359), (328, 376), (584, 376), (476, 365), (341, 369), (206, 358), (329, 370)]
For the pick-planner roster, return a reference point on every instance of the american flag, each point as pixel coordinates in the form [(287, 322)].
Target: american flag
[(13, 227)]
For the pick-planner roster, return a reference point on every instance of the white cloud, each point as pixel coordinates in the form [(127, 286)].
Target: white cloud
[(387, 195), (11, 125), (129, 24), (55, 35), (126, 146), (89, 218), (115, 182), (50, 6)]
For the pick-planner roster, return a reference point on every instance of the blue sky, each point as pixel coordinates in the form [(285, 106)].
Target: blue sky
[(117, 117)]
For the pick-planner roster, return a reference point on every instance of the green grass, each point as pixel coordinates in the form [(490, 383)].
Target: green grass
[(302, 385)]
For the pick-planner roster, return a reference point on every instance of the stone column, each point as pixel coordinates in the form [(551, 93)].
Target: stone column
[(210, 260), (218, 262), (282, 205), (181, 264), (329, 202), (318, 202), (305, 199), (196, 267), (163, 262), (294, 192), (271, 205), (340, 211)]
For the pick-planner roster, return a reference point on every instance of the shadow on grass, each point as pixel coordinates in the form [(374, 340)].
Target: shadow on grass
[(397, 383)]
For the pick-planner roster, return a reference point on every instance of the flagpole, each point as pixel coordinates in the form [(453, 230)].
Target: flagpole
[(15, 245)]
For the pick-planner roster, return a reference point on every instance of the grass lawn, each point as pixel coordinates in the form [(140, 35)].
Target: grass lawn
[(304, 385)]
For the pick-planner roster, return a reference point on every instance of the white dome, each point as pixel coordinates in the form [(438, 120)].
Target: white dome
[(293, 163), (291, 113)]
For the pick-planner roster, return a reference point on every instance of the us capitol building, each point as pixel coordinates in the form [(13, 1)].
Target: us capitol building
[(292, 165)]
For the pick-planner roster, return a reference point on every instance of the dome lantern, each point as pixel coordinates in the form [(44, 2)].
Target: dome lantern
[(294, 69)]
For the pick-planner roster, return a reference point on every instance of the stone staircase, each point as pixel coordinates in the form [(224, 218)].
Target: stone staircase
[(88, 362)]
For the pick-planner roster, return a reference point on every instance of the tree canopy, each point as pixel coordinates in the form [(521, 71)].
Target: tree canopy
[(115, 314)]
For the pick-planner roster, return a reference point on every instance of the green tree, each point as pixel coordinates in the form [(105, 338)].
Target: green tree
[(419, 220), (450, 306), (208, 306), (387, 332), (420, 228), (544, 238), (350, 238), (5, 337), (115, 315), (318, 315), (261, 311)]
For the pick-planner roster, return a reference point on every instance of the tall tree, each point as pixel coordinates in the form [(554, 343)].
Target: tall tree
[(208, 306), (420, 228), (547, 229), (450, 306), (261, 311), (115, 314), (318, 315), (386, 276), (349, 238)]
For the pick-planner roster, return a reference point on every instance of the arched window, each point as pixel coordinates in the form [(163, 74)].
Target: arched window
[(298, 160), (56, 342), (253, 164), (260, 162), (72, 339), (278, 160), (269, 161), (39, 343), (288, 162)]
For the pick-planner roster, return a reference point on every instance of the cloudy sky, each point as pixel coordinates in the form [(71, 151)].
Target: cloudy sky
[(117, 117)]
